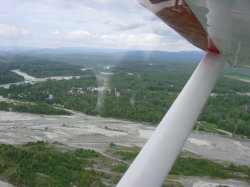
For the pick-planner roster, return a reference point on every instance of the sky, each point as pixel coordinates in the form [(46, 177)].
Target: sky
[(114, 24)]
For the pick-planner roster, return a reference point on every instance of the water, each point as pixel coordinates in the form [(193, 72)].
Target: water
[(33, 80)]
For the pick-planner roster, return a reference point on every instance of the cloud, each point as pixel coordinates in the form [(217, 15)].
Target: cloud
[(144, 41), (66, 4), (104, 1), (74, 35), (56, 33), (125, 40), (12, 31), (24, 31), (99, 23), (122, 26), (79, 34)]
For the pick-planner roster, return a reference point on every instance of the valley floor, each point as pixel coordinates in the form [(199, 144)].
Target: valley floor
[(83, 131), (108, 135)]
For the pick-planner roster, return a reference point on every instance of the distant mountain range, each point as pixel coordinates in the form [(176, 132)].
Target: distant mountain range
[(17, 48), (81, 52)]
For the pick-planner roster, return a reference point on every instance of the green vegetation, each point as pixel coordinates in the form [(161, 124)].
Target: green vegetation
[(144, 92), (40, 68), (123, 153), (203, 167), (237, 73), (112, 144), (121, 168), (37, 164), (211, 128), (33, 108), (189, 164), (187, 154), (148, 92), (7, 76), (82, 153), (73, 94), (237, 77), (112, 129), (229, 112), (127, 155), (140, 90), (173, 184), (40, 164)]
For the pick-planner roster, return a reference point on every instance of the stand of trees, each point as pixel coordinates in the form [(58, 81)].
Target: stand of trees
[(37, 164), (33, 108), (229, 112), (37, 67), (40, 164), (148, 92), (74, 94), (7, 76), (143, 92)]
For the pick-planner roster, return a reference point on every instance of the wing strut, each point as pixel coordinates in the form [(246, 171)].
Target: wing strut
[(158, 155)]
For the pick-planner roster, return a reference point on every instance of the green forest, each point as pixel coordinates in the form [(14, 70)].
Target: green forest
[(71, 94), (148, 91), (41, 164), (7, 76), (144, 92), (136, 91), (37, 67), (37, 164), (42, 108)]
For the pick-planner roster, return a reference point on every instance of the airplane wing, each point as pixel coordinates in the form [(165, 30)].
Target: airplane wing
[(220, 27), (211, 25)]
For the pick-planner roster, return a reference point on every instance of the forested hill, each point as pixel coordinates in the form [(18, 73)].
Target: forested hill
[(92, 56), (137, 87), (36, 67), (147, 91), (29, 51), (7, 76), (144, 91)]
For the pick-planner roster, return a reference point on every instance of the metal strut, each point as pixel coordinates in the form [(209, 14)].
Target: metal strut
[(158, 155)]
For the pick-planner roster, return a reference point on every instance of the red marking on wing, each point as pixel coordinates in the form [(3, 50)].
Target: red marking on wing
[(182, 19), (211, 47)]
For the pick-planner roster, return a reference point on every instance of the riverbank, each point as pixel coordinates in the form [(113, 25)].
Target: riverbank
[(83, 131), (32, 80)]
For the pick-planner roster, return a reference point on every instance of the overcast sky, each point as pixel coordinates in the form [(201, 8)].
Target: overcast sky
[(122, 24)]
